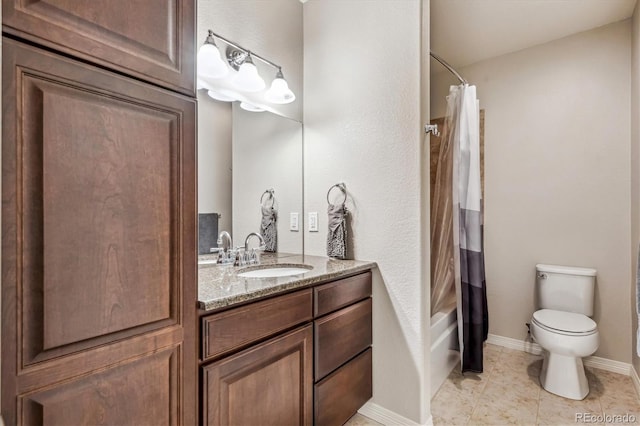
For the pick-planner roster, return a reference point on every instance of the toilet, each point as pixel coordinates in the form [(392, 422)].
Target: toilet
[(562, 327)]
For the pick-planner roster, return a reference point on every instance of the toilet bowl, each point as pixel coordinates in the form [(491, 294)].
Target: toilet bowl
[(566, 338)]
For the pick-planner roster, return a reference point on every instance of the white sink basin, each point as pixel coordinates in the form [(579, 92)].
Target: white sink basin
[(274, 272)]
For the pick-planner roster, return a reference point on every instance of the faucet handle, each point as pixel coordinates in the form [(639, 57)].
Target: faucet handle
[(239, 257), (254, 258)]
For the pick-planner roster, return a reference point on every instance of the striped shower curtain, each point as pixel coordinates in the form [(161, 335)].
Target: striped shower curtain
[(468, 252)]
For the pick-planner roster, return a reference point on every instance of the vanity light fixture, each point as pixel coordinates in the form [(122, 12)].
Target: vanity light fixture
[(210, 63), (247, 79), (279, 92)]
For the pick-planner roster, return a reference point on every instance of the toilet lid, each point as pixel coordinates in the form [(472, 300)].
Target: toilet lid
[(566, 322)]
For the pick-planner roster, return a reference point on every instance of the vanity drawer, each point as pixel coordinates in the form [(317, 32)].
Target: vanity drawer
[(342, 393), (238, 327), (341, 293), (340, 336)]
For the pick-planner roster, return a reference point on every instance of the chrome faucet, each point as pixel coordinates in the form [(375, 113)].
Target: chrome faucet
[(251, 257), (226, 236), (254, 234), (226, 253)]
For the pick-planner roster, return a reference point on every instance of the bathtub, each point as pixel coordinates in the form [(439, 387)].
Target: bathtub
[(444, 344)]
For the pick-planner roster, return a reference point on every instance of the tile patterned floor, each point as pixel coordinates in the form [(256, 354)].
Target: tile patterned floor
[(508, 392)]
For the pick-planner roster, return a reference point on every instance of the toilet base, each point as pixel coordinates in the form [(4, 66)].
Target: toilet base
[(564, 376)]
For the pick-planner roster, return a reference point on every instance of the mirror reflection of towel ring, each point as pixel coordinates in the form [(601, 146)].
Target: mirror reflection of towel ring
[(342, 187), (271, 197)]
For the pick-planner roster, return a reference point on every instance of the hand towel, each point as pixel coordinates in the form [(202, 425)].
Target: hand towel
[(337, 235), (268, 228)]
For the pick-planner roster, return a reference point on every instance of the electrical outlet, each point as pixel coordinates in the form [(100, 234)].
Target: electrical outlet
[(293, 222), (313, 221)]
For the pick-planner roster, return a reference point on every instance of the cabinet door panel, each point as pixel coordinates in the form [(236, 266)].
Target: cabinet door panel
[(241, 326), (340, 293), (98, 222), (341, 336), (131, 394), (344, 391), (100, 247), (155, 43), (269, 384)]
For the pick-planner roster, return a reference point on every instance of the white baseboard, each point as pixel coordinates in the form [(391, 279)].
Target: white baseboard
[(534, 348), (608, 364), (388, 417), (635, 379), (515, 344)]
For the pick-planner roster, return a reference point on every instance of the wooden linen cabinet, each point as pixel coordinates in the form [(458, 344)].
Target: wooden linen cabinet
[(98, 213)]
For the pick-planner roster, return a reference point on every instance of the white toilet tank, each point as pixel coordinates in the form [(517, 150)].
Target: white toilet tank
[(565, 288)]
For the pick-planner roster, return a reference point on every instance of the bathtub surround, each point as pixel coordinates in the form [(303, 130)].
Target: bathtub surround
[(557, 174), (444, 344), (442, 270)]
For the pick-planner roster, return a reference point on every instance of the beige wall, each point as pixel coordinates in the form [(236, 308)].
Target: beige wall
[(557, 132), (363, 127), (635, 174), (267, 153)]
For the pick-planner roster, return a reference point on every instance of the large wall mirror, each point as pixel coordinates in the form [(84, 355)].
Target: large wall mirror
[(242, 154)]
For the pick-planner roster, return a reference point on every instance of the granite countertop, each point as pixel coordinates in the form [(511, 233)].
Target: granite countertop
[(220, 286)]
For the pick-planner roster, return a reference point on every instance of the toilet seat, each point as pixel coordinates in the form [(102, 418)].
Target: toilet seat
[(566, 323)]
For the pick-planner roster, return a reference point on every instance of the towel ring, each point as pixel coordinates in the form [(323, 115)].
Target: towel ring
[(342, 187), (271, 197)]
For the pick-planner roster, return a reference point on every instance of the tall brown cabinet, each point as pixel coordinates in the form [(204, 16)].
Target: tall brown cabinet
[(98, 212)]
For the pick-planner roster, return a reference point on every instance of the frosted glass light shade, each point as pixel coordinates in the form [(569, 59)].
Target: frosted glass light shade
[(279, 92), (210, 63), (250, 107), (248, 79), (222, 95)]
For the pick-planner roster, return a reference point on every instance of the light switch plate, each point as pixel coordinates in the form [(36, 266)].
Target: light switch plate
[(293, 222), (313, 221)]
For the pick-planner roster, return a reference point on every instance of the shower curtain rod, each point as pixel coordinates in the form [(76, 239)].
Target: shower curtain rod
[(449, 67)]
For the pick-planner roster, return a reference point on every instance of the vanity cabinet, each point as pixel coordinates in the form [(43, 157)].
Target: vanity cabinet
[(297, 359)]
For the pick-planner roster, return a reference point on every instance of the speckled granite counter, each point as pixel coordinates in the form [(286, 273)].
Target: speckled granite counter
[(220, 286)]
